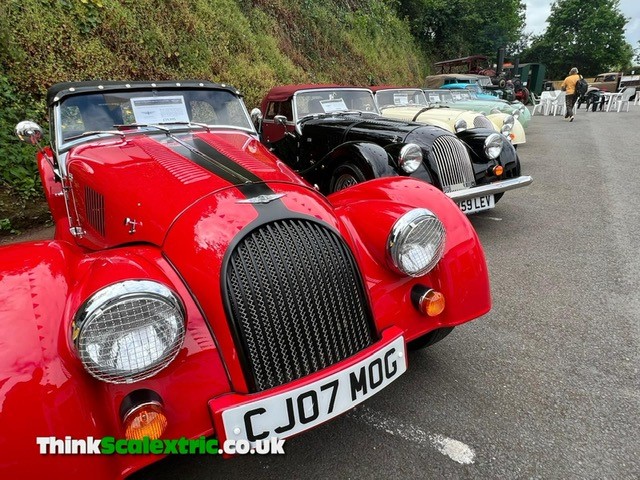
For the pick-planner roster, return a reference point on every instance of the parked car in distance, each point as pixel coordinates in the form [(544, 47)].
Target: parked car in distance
[(466, 99), (615, 81), (335, 137), (410, 104), (607, 82), (197, 286)]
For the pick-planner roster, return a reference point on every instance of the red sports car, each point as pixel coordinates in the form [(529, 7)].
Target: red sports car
[(197, 288)]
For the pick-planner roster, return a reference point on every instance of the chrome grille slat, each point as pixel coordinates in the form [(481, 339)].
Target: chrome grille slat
[(453, 162), (296, 301)]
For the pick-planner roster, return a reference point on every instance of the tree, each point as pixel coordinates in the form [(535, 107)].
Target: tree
[(585, 34), (456, 28)]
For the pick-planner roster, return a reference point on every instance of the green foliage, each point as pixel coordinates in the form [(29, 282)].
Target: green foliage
[(18, 169), (454, 28), (587, 35), (252, 44)]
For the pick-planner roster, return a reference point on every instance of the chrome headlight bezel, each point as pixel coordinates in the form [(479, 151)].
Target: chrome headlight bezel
[(407, 259), (507, 124), (410, 157), (140, 299), (460, 125), (493, 145), (495, 110)]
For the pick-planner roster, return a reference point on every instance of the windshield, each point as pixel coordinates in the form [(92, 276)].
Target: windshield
[(102, 112), (334, 100), (400, 98), (439, 96), (461, 95)]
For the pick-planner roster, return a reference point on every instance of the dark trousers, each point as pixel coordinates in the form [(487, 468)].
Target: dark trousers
[(570, 101)]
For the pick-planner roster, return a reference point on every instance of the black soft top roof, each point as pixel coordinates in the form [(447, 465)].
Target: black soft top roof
[(61, 90)]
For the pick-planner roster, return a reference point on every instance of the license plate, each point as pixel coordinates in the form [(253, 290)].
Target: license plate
[(300, 409), (477, 204)]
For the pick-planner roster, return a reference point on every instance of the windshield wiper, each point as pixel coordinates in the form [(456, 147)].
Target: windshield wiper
[(160, 125), (95, 132)]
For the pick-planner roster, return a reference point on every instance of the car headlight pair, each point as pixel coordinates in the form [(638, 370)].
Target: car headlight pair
[(129, 331), (416, 242)]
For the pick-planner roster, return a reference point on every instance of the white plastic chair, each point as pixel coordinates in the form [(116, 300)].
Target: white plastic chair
[(624, 97), (613, 100), (637, 100), (544, 103), (558, 105)]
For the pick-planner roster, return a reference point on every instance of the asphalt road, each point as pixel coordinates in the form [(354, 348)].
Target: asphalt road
[(544, 386)]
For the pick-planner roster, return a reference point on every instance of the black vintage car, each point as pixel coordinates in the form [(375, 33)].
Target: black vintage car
[(334, 137)]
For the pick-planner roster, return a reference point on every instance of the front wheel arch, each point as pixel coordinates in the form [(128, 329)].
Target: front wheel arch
[(370, 159)]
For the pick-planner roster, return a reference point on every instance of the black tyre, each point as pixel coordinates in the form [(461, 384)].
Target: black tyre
[(345, 176), (429, 339)]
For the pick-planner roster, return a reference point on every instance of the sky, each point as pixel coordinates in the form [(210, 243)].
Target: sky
[(538, 11)]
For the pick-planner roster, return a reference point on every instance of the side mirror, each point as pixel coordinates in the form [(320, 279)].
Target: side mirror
[(256, 118), (256, 115), (29, 132), (280, 120)]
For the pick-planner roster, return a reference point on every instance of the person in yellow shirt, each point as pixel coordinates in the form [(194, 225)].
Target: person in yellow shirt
[(569, 87)]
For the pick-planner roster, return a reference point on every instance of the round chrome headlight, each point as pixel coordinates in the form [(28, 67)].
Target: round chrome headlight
[(493, 145), (516, 114), (129, 331), (495, 110), (416, 242), (460, 125), (410, 157), (507, 125)]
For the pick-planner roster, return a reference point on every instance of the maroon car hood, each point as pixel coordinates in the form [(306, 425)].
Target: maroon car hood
[(152, 180)]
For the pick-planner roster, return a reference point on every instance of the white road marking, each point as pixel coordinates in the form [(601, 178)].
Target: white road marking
[(454, 449), (497, 219)]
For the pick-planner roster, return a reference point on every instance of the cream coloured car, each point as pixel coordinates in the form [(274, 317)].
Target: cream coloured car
[(410, 104)]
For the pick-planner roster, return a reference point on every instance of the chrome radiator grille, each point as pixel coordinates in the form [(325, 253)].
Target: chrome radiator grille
[(482, 122), (296, 300), (454, 164)]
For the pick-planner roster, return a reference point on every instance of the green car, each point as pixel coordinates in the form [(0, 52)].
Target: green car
[(465, 100)]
